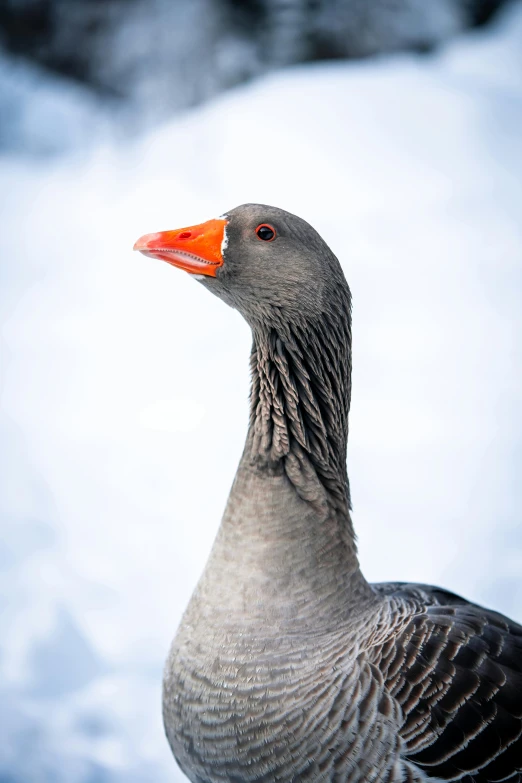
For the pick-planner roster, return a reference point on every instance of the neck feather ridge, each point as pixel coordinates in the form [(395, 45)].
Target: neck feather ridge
[(300, 399)]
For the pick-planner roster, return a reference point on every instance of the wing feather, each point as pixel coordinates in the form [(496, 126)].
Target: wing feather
[(456, 671)]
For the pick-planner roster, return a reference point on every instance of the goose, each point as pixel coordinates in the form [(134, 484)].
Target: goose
[(288, 665)]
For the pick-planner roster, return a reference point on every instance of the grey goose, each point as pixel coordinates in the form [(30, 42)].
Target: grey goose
[(288, 665)]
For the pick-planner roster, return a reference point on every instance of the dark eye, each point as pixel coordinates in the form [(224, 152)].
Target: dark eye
[(265, 232)]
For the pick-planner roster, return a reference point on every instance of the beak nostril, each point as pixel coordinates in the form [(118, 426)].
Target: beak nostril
[(185, 235)]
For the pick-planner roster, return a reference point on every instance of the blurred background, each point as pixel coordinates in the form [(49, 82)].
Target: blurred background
[(395, 128)]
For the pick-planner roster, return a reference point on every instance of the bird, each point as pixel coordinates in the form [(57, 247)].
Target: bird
[(288, 665)]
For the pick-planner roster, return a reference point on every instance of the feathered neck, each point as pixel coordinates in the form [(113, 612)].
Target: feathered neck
[(287, 528), (300, 399)]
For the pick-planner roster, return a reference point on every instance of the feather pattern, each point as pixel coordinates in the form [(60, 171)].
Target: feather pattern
[(456, 672)]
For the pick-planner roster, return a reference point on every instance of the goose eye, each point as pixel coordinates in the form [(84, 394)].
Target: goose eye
[(265, 232)]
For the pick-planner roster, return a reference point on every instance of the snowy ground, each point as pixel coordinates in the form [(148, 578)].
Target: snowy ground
[(124, 382)]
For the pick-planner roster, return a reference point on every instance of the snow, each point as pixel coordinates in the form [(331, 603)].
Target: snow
[(47, 116), (125, 384)]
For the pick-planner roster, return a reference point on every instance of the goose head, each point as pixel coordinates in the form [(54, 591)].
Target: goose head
[(269, 264)]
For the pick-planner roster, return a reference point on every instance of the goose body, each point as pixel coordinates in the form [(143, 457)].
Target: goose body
[(288, 665)]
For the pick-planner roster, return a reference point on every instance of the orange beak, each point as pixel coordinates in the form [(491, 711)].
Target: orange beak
[(197, 249)]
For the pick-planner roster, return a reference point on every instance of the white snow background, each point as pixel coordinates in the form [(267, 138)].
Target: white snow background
[(125, 383)]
